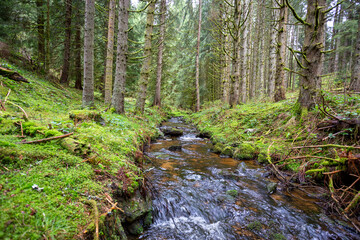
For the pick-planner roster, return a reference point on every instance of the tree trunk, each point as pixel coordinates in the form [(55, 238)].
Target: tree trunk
[(88, 92), (312, 47), (41, 32), (47, 50), (280, 54), (157, 99), (235, 66), (197, 87), (226, 72), (355, 73), (145, 69), (122, 47), (110, 53), (64, 79), (272, 56), (77, 53)]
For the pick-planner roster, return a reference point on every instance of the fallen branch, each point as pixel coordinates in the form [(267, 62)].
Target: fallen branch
[(353, 203), (326, 146), (268, 157), (47, 139), (11, 74), (333, 172), (26, 117)]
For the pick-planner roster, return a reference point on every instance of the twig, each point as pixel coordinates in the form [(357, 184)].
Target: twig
[(25, 114), (273, 166), (326, 146), (333, 172), (325, 138), (300, 157), (47, 139)]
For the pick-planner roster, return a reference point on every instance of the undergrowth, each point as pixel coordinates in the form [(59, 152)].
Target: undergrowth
[(45, 187)]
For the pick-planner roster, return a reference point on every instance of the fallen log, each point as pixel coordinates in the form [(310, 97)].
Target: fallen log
[(47, 139), (11, 74)]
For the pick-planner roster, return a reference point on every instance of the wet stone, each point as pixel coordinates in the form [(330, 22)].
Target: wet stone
[(271, 187), (175, 148)]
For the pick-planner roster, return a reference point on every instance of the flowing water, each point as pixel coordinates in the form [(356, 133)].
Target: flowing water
[(201, 195)]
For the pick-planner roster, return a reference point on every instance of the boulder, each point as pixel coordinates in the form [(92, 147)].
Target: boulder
[(271, 187), (170, 131)]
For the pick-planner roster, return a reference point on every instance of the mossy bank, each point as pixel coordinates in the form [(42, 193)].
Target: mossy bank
[(320, 146), (88, 184)]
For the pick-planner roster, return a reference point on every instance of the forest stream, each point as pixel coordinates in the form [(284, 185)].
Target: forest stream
[(202, 195)]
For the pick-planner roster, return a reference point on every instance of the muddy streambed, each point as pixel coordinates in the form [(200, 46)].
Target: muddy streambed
[(201, 195)]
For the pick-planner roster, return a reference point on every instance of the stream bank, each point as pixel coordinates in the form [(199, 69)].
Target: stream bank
[(198, 194)]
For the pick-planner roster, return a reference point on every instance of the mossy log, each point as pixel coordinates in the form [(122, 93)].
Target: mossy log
[(11, 74), (75, 146)]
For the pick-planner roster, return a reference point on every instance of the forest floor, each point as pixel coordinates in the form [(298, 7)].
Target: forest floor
[(316, 148), (48, 188)]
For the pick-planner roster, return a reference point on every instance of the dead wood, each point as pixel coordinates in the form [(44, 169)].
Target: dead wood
[(327, 146), (47, 139), (11, 74)]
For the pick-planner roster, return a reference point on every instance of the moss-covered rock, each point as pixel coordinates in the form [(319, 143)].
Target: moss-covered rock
[(246, 151), (223, 149), (86, 115), (233, 193), (136, 228)]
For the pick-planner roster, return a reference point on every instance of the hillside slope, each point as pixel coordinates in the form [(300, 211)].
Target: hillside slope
[(68, 187)]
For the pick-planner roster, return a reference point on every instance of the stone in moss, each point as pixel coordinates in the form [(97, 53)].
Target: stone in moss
[(232, 193), (223, 149), (245, 151), (52, 133), (86, 115), (135, 228)]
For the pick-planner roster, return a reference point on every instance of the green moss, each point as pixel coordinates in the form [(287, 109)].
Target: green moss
[(52, 133), (255, 226), (232, 193), (6, 144), (245, 151)]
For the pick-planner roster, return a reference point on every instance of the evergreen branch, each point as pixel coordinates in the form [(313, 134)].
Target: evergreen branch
[(296, 15), (229, 3), (132, 41), (289, 70), (141, 10), (330, 9), (296, 59), (328, 51)]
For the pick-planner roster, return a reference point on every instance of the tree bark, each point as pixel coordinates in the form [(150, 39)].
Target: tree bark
[(77, 53), (157, 99), (110, 53), (197, 87), (41, 31), (235, 66), (88, 92), (279, 93), (355, 73), (145, 68), (64, 79), (47, 50), (122, 47), (312, 47)]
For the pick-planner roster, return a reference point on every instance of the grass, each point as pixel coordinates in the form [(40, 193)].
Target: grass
[(66, 178)]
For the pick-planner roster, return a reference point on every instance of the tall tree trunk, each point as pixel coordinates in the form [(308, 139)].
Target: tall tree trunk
[(145, 69), (355, 73), (41, 31), (197, 86), (235, 66), (157, 99), (312, 47), (88, 92), (64, 79), (122, 47), (77, 54), (227, 69), (110, 53), (47, 50), (280, 54)]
